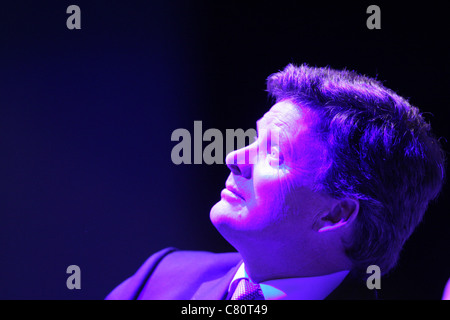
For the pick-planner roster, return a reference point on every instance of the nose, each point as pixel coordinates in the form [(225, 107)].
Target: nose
[(240, 162)]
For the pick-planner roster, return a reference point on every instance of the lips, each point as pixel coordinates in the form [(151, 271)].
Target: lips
[(233, 189)]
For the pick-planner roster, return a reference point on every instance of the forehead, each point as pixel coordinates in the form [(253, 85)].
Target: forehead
[(298, 137), (286, 116)]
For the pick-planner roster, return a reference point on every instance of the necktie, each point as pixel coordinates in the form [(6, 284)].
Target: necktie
[(245, 290)]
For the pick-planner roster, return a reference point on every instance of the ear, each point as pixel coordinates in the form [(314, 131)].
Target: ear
[(342, 214)]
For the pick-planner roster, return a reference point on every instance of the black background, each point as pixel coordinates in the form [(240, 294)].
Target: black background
[(86, 118)]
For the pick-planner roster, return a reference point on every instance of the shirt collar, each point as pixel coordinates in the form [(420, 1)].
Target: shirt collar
[(306, 288)]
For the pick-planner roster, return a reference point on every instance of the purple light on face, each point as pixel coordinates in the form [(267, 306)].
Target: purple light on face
[(267, 142), (231, 195), (380, 150)]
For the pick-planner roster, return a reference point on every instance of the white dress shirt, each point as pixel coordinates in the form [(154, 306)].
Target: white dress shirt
[(307, 288)]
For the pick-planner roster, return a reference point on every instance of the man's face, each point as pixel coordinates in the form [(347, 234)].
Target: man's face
[(270, 191)]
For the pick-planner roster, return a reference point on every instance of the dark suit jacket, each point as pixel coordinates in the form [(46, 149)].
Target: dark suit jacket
[(196, 275)]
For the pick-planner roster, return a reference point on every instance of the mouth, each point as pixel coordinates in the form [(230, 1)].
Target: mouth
[(232, 190)]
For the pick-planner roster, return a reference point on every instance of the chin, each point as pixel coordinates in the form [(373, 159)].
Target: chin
[(225, 215)]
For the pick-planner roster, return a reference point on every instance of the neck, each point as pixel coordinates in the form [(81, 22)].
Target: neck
[(262, 264)]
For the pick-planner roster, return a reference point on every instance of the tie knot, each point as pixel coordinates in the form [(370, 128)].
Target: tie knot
[(245, 290)]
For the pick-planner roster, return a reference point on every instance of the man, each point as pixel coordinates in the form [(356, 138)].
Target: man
[(339, 176)]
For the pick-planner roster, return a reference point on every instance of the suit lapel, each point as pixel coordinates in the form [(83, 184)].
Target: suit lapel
[(351, 288), (216, 289)]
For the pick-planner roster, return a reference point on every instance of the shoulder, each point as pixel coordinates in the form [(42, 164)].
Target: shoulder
[(170, 266), (178, 260)]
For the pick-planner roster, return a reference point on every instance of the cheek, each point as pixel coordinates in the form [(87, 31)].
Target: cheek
[(269, 191)]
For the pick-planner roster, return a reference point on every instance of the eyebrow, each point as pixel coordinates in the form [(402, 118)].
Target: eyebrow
[(258, 124)]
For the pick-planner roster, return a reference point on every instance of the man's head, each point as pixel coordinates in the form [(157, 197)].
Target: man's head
[(346, 180)]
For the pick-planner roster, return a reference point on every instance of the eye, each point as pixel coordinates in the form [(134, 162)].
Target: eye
[(275, 156), (274, 152)]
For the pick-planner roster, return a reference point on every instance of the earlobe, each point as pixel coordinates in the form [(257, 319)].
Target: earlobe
[(342, 214)]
